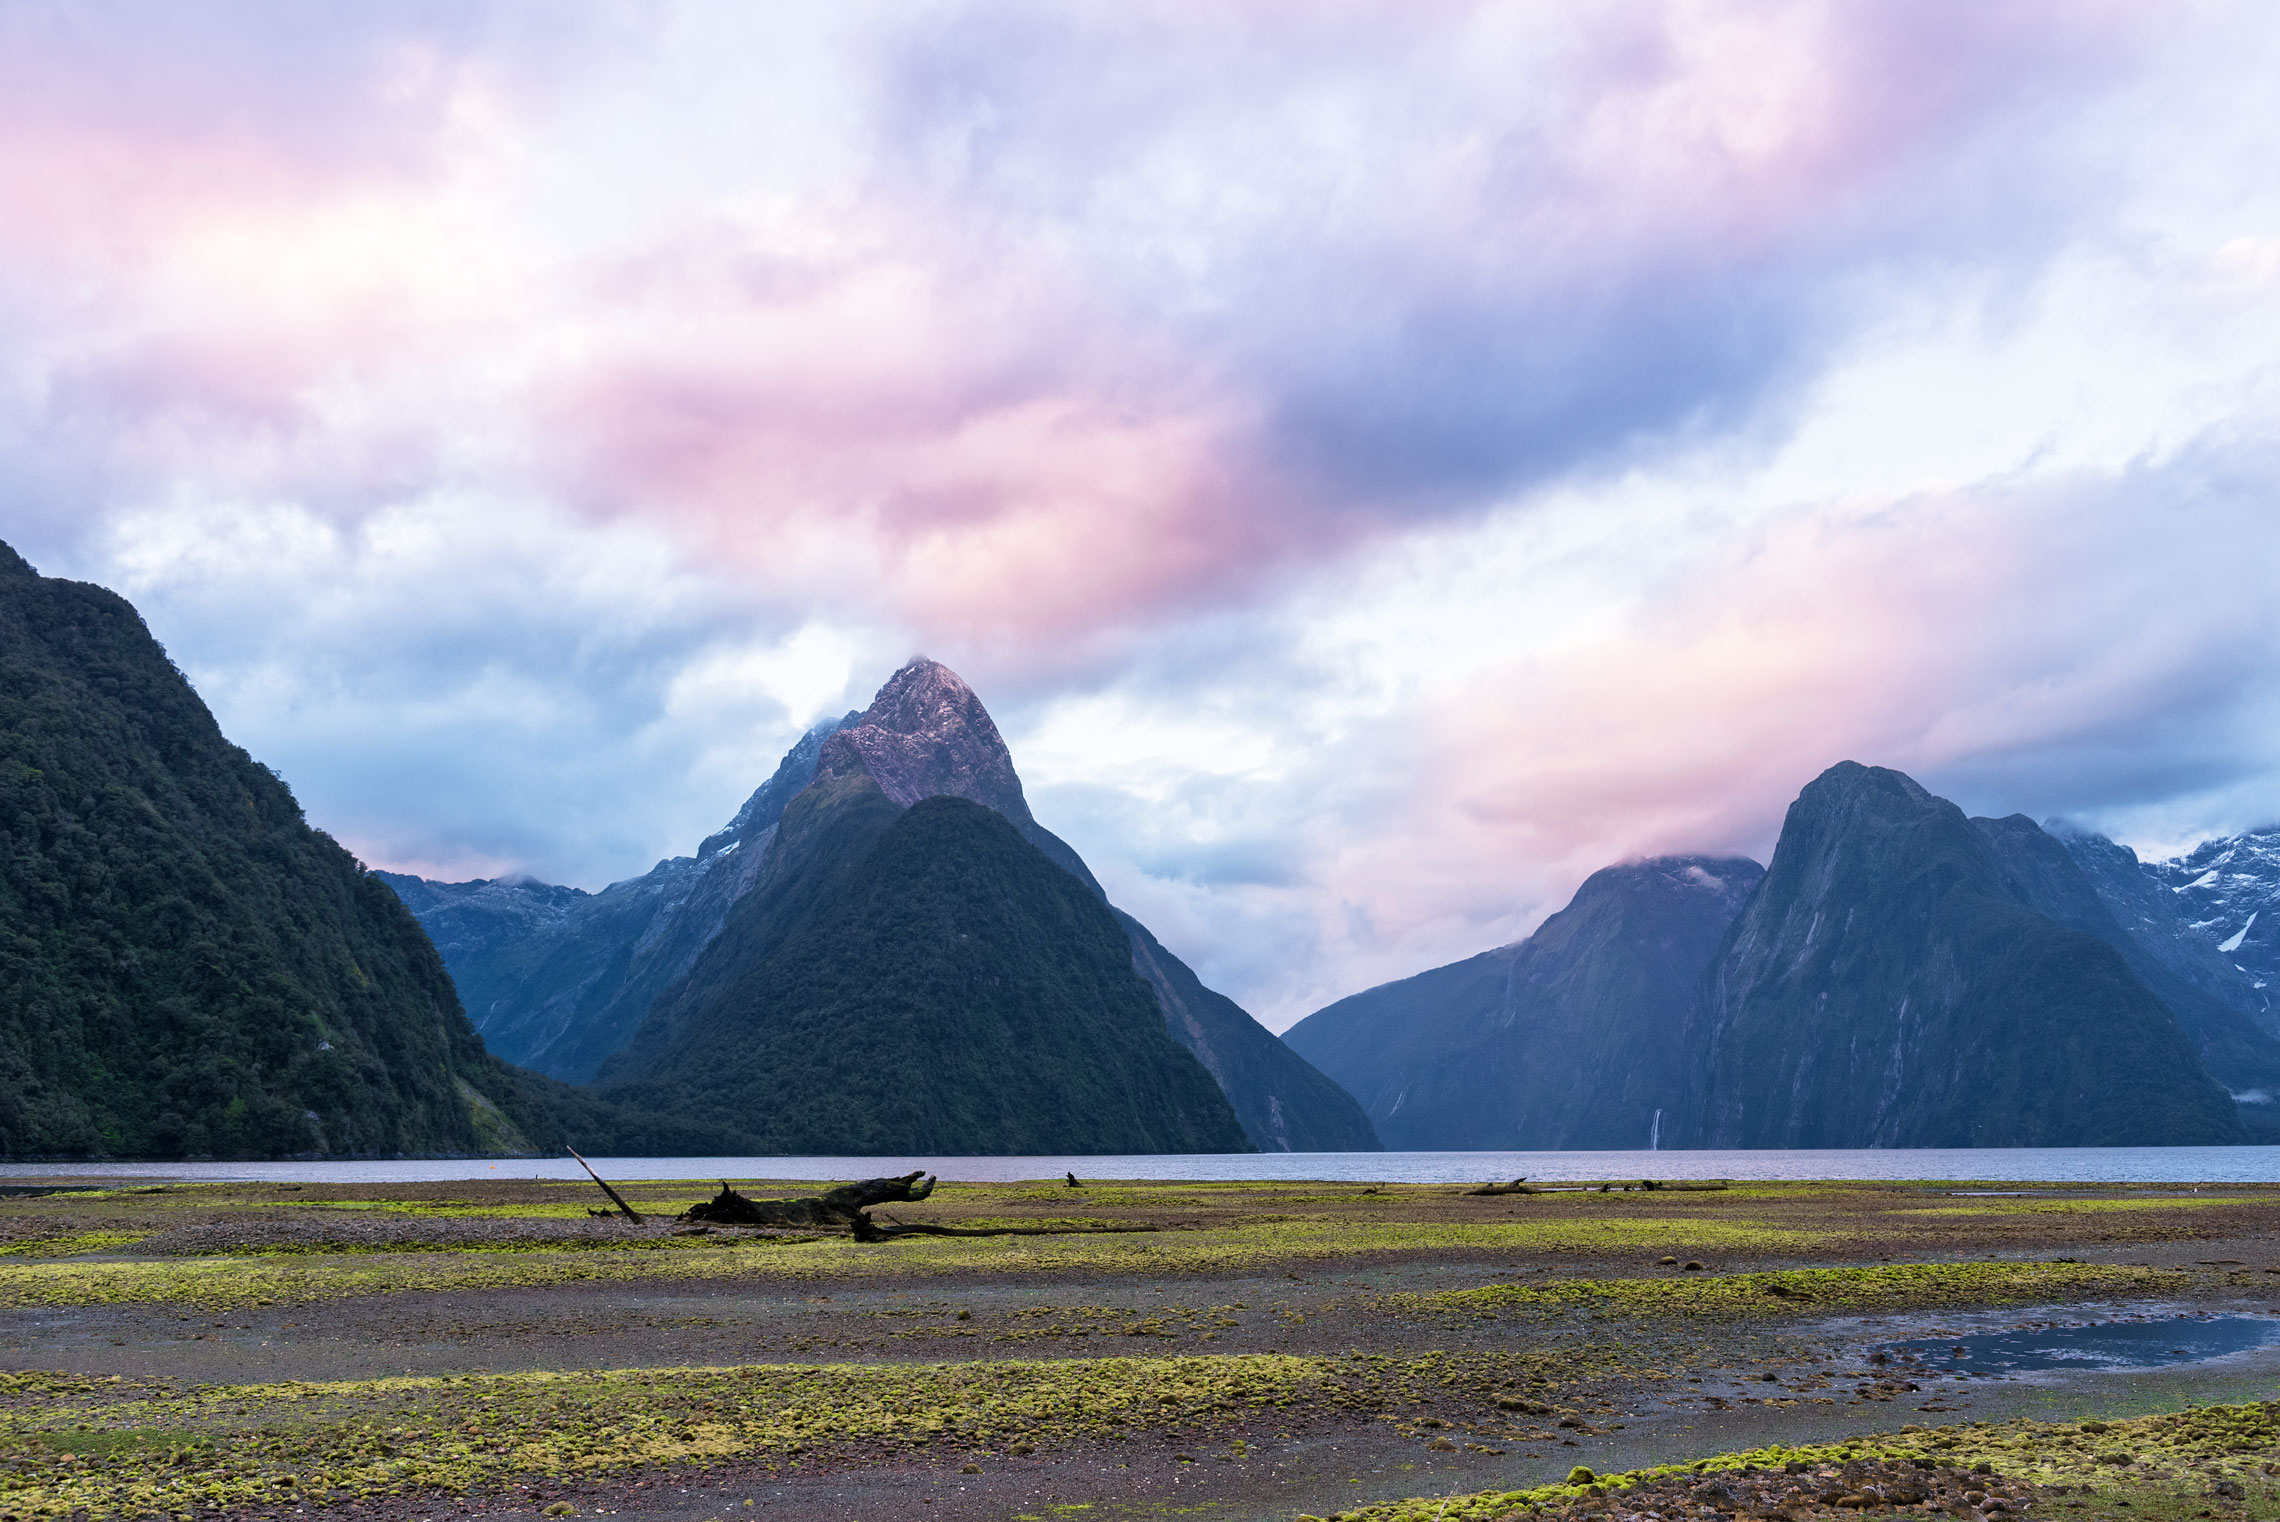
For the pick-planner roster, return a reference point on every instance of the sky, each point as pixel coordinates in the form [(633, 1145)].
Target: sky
[(1378, 463)]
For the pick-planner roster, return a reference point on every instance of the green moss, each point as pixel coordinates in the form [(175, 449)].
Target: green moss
[(2179, 1454), (1893, 1286), (2089, 1207), (333, 1273), (72, 1245), (72, 1444)]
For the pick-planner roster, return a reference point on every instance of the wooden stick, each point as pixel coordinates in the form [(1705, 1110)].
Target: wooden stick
[(630, 1213)]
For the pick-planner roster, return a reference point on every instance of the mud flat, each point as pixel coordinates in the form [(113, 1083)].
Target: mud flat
[(1269, 1350)]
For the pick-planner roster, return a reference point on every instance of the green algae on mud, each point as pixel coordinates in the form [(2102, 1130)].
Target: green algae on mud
[(2178, 1455), (2090, 1207), (72, 1244), (73, 1444), (1883, 1286), (304, 1276)]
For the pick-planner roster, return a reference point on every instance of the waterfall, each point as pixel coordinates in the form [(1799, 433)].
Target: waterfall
[(1654, 1137)]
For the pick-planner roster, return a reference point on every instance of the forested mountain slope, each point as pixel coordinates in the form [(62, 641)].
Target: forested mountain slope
[(186, 967)]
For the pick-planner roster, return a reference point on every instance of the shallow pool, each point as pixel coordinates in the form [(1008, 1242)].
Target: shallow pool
[(2125, 1342)]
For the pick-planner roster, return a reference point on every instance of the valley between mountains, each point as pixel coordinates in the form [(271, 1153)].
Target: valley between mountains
[(884, 951)]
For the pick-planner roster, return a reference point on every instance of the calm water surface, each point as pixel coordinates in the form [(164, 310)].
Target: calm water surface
[(1995, 1165), (2132, 1342)]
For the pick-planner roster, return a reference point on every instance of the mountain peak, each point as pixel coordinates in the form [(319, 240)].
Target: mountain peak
[(923, 695), (927, 736), (1850, 780), (13, 564)]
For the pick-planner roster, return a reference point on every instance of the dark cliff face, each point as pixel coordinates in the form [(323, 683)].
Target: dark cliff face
[(566, 992), (1886, 987), (186, 967), (922, 980), (1568, 1039), (2212, 1002)]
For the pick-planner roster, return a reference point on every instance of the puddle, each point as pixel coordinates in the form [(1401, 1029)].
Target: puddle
[(2136, 1342)]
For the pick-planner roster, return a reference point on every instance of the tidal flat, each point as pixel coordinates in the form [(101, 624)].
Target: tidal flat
[(1223, 1351)]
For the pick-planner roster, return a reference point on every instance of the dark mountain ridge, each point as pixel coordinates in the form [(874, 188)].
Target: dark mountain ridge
[(1888, 985), (566, 985), (1902, 976), (2046, 874)]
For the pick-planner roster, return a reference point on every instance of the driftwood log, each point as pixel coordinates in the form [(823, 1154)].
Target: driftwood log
[(839, 1208), (848, 1208), (1522, 1186)]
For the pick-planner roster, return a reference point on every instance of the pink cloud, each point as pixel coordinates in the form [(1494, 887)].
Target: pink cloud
[(1096, 321), (1030, 336), (1054, 388)]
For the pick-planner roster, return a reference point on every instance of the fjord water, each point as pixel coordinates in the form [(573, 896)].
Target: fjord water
[(1992, 1165)]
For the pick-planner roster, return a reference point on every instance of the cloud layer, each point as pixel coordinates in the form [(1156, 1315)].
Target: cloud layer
[(1380, 463)]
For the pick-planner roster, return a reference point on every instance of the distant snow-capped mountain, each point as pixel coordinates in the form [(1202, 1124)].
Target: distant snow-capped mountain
[(2228, 891)]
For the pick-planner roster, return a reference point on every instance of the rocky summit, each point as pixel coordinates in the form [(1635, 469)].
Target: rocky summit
[(569, 981), (926, 735), (1568, 1039), (1890, 984)]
